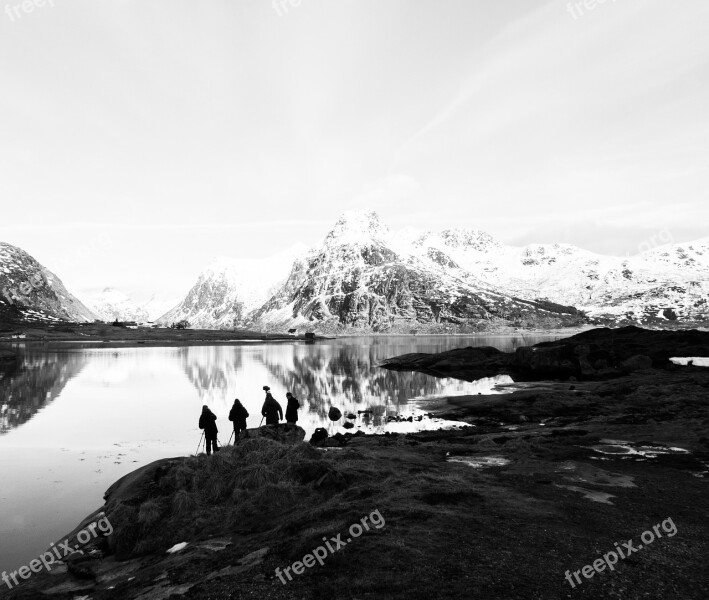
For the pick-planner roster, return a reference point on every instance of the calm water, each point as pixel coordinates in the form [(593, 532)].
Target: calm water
[(75, 419)]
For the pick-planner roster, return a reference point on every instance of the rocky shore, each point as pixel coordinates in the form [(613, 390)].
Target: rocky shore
[(594, 354), (535, 483)]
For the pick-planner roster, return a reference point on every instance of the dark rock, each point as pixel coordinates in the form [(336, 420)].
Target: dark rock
[(319, 436), (334, 414), (287, 434), (351, 416), (348, 425), (582, 356)]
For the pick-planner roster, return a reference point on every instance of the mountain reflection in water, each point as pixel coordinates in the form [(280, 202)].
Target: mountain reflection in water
[(33, 382)]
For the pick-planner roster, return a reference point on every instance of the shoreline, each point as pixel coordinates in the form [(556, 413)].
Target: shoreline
[(164, 337), (570, 466), (598, 445)]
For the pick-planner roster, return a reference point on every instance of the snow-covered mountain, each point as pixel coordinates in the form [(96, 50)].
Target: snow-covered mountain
[(666, 283), (111, 304), (364, 278), (230, 289), (158, 304), (30, 291)]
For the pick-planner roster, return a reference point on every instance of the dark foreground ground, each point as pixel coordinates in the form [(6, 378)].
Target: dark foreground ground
[(558, 474)]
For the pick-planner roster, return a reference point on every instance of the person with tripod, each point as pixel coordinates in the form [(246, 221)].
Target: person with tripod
[(238, 415), (271, 408), (208, 422)]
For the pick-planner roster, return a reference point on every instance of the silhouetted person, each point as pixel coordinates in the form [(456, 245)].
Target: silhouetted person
[(208, 422), (292, 409), (271, 409), (238, 415)]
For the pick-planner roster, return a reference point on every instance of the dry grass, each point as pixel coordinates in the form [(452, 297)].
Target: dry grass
[(247, 487)]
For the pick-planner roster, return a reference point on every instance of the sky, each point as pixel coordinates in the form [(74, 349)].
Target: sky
[(139, 140)]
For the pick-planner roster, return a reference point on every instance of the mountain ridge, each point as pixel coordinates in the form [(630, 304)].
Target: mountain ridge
[(364, 277)]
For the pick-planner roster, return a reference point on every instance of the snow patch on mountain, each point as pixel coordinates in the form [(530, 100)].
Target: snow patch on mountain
[(229, 289), (30, 291)]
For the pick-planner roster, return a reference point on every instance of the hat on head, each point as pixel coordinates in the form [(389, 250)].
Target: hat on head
[(266, 388)]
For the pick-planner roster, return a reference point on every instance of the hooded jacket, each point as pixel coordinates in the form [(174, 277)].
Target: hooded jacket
[(271, 409), (292, 409), (208, 422), (238, 414)]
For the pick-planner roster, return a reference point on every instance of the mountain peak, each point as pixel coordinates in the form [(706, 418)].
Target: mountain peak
[(357, 225)]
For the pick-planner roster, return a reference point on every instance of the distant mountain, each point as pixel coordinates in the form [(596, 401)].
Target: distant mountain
[(30, 291), (157, 305), (111, 304), (230, 289), (667, 283), (364, 278)]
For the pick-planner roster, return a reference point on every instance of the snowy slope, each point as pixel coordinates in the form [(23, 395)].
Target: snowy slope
[(111, 304), (640, 288), (363, 277), (29, 290), (229, 289), (159, 304)]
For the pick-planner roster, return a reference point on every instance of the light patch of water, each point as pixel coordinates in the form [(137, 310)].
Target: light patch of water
[(480, 462)]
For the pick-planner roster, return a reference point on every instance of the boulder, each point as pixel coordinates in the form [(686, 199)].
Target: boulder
[(348, 425), (287, 434), (319, 436), (334, 414)]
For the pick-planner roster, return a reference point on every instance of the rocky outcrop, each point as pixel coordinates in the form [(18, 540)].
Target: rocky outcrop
[(284, 433), (597, 353)]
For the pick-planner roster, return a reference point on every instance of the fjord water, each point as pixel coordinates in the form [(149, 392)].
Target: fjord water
[(74, 419)]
